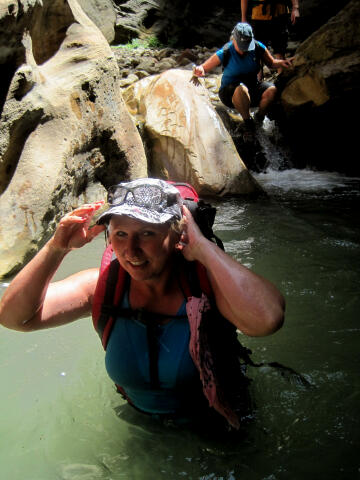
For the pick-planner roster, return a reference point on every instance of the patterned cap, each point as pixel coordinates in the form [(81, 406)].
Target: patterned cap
[(244, 37), (150, 200)]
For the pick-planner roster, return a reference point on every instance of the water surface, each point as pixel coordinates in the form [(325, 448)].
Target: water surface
[(60, 415)]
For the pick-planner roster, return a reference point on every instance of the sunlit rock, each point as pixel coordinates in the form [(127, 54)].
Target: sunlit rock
[(187, 140), (103, 14), (64, 129)]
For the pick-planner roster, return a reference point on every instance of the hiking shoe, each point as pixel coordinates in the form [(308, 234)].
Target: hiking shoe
[(258, 119), (248, 134), (249, 124)]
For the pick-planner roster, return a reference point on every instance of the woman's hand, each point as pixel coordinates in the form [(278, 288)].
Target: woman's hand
[(247, 300), (192, 241), (198, 71), (280, 63), (31, 302), (73, 230)]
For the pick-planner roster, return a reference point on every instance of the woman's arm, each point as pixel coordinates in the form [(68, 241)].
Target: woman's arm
[(207, 66), (272, 62), (252, 303), (31, 302), (244, 8)]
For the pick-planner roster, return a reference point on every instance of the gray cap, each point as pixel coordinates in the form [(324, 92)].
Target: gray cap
[(153, 201), (244, 37)]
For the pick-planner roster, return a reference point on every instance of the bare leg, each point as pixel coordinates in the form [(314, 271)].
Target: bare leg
[(267, 99), (241, 101)]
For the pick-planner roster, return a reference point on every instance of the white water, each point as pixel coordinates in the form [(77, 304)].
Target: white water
[(308, 180)]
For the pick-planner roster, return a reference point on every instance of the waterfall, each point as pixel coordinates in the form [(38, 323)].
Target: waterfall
[(273, 147)]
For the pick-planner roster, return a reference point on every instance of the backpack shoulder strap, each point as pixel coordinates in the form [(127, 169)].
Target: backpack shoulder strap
[(194, 280), (226, 52), (259, 52), (109, 291)]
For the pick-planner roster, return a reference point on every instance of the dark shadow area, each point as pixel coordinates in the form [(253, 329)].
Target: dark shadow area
[(59, 17), (325, 138), (151, 18), (20, 131), (7, 73)]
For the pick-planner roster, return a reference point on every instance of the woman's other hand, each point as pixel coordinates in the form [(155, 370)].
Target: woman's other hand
[(73, 230)]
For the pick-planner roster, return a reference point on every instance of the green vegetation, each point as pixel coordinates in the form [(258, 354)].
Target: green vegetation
[(149, 42)]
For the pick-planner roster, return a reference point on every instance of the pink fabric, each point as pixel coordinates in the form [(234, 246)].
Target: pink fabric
[(201, 357)]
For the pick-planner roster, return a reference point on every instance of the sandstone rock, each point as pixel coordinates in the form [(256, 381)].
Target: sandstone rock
[(321, 91), (103, 14), (65, 131), (134, 19), (327, 64), (128, 80), (187, 139)]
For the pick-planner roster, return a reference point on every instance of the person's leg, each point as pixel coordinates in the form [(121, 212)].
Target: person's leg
[(241, 101), (267, 98)]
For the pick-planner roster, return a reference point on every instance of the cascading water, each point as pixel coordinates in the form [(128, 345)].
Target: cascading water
[(273, 146)]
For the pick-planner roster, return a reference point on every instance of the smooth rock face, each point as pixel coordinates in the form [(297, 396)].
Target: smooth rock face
[(65, 133), (320, 93), (187, 139), (327, 64), (102, 13)]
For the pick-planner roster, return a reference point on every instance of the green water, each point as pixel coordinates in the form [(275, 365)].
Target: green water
[(60, 417)]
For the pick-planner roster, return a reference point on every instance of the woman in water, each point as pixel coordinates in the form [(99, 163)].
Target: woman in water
[(155, 326)]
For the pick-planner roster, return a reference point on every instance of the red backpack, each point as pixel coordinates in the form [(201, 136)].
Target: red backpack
[(203, 213)]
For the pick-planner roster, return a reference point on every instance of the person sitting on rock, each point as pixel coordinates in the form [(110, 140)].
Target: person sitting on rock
[(241, 60)]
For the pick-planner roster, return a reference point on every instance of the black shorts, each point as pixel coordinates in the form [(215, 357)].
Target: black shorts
[(255, 92), (272, 33)]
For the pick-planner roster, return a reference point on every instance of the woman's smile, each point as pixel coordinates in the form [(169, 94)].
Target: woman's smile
[(137, 263)]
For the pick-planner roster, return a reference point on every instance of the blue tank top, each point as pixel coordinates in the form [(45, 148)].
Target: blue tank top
[(127, 363)]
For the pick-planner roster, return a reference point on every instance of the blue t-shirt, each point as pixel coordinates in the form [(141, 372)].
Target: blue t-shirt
[(127, 363), (240, 68)]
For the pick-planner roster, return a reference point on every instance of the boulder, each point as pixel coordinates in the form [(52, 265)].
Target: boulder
[(185, 137), (322, 89), (327, 64), (135, 18), (65, 132), (103, 14)]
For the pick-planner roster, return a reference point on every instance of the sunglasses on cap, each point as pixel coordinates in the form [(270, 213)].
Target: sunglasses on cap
[(141, 195)]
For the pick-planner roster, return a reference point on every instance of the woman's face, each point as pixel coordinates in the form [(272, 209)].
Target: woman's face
[(143, 249), (240, 52)]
